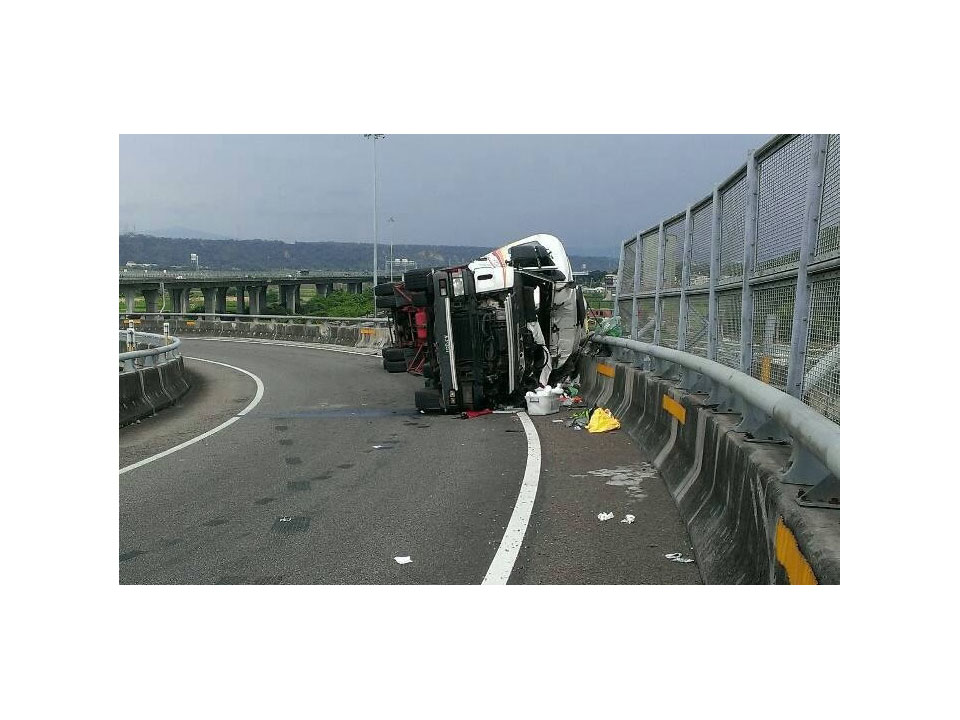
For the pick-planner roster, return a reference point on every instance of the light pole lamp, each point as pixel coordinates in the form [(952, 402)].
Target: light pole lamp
[(376, 199)]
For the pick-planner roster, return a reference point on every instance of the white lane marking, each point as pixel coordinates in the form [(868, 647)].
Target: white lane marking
[(287, 343), (502, 565), (253, 403)]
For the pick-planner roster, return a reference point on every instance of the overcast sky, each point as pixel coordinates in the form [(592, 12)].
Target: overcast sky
[(592, 191)]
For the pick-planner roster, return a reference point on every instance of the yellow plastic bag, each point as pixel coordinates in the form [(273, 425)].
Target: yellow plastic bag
[(602, 420)]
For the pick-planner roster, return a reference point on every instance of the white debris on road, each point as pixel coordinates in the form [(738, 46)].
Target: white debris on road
[(628, 477), (628, 519), (605, 516), (678, 557), (403, 560)]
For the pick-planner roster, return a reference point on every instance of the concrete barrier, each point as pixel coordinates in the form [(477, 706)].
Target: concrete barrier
[(145, 391), (357, 334), (744, 523)]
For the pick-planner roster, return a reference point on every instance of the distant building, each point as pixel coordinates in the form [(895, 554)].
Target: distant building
[(400, 265)]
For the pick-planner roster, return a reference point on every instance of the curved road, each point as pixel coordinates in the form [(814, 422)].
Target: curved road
[(332, 473)]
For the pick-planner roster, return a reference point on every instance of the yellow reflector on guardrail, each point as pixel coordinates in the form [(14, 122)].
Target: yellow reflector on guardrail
[(794, 563), (191, 322), (368, 331), (675, 409), (607, 370)]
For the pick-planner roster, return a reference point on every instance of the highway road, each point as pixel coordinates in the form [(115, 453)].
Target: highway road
[(318, 469)]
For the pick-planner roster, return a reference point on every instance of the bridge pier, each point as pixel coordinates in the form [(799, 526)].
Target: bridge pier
[(151, 296), (324, 289), (354, 287), (130, 298), (258, 299), (181, 299), (241, 306), (221, 300), (290, 297), (209, 300)]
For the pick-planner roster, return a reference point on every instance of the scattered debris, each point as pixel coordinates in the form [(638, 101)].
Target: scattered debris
[(602, 420), (605, 516), (286, 519), (557, 421), (628, 477), (678, 557), (381, 447), (403, 560), (468, 414), (628, 519)]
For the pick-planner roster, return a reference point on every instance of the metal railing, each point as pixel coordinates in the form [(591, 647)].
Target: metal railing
[(749, 276), (301, 319), (239, 275), (767, 414), (160, 349)]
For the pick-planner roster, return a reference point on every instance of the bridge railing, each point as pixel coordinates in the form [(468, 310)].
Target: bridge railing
[(239, 276), (254, 318), (160, 349), (749, 276)]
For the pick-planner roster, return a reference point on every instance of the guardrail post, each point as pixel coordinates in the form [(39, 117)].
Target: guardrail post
[(808, 241), (131, 343), (714, 275), (634, 325), (656, 298), (685, 280), (166, 332), (749, 257)]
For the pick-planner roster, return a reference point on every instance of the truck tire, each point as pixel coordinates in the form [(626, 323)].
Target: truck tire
[(384, 290), (418, 280), (427, 400), (394, 366), (386, 302), (394, 353), (418, 299)]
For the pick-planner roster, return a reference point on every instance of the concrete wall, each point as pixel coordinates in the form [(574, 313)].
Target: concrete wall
[(353, 334), (149, 389), (745, 524)]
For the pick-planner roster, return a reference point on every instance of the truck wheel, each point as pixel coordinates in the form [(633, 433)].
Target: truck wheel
[(417, 280), (393, 353), (427, 400), (384, 290), (386, 301), (418, 299), (395, 366)]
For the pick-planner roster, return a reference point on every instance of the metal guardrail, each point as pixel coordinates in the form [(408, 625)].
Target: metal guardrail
[(749, 275), (164, 349), (173, 275), (307, 318), (767, 414)]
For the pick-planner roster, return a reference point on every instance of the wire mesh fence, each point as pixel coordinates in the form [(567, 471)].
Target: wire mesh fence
[(732, 217), (701, 227), (791, 256), (670, 321), (673, 253)]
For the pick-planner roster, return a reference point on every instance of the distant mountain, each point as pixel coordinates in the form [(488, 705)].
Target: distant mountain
[(222, 254), (182, 232)]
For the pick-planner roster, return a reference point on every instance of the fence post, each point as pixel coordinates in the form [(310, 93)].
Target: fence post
[(634, 325), (131, 343), (684, 281), (616, 287), (751, 204), (656, 298), (714, 275), (808, 242)]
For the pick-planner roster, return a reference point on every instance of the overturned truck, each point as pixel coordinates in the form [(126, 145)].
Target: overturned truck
[(484, 333)]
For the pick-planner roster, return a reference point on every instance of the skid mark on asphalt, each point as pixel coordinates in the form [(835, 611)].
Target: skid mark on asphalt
[(298, 485), (129, 555), (286, 441), (264, 501), (293, 460)]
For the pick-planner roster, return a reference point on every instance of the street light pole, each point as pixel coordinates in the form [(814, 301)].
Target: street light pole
[(376, 199), (393, 235)]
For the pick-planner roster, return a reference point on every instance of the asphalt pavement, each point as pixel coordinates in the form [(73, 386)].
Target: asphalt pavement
[(333, 473)]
